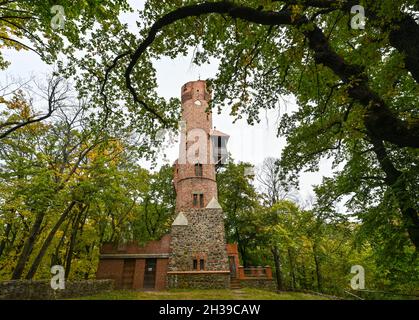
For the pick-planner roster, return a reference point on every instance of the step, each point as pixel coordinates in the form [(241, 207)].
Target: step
[(235, 284)]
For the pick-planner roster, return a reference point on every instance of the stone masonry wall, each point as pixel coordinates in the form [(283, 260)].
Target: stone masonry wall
[(41, 289), (266, 284), (203, 237), (198, 281)]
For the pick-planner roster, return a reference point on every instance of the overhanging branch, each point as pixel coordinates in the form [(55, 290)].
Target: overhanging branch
[(379, 119)]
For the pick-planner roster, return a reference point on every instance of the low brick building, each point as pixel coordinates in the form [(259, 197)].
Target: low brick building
[(195, 253), (135, 267)]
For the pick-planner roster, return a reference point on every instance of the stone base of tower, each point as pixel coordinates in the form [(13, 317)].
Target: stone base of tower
[(192, 280), (198, 256)]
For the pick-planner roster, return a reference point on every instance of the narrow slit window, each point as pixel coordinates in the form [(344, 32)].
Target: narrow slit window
[(201, 200), (201, 264), (219, 150), (195, 264), (198, 169), (195, 200)]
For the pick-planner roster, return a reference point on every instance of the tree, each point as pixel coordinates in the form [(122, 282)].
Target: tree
[(53, 175), (356, 89), (269, 178), (308, 251), (45, 27), (271, 183), (277, 231), (239, 200), (157, 208)]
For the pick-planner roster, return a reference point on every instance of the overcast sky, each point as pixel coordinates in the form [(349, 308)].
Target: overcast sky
[(247, 143)]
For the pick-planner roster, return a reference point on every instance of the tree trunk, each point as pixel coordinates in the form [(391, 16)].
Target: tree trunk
[(243, 254), (278, 272), (304, 276), (55, 258), (89, 254), (292, 271), (28, 246), (6, 237), (395, 180), (48, 241), (241, 246), (73, 241), (405, 38), (318, 273)]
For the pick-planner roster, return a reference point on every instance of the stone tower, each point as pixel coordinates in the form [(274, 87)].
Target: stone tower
[(198, 256)]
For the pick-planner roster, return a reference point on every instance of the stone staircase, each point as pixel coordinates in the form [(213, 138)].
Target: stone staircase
[(234, 284)]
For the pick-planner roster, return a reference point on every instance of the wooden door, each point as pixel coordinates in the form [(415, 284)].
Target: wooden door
[(150, 273), (128, 273)]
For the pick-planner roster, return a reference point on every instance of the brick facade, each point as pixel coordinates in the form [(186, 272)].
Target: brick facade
[(114, 257), (195, 148), (233, 256)]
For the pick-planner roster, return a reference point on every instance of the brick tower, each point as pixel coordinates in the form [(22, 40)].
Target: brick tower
[(198, 255), (194, 176)]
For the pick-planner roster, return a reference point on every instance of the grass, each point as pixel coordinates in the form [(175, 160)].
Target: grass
[(195, 294)]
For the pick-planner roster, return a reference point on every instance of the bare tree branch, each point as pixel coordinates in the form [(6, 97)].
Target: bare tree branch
[(54, 103)]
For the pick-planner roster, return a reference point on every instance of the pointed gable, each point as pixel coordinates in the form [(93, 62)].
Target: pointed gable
[(213, 204), (180, 220)]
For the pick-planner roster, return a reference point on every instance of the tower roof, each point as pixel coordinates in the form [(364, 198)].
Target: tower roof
[(214, 132)]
